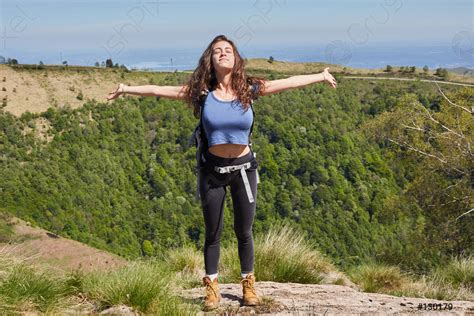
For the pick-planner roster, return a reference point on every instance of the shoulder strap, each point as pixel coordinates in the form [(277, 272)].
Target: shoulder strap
[(201, 107), (255, 88)]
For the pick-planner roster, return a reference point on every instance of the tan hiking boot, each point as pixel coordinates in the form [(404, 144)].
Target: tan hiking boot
[(248, 289), (213, 295)]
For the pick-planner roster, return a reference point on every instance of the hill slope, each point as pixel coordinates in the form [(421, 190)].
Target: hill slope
[(40, 246)]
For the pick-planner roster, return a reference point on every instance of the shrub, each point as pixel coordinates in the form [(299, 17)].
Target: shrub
[(283, 254), (143, 285), (459, 272), (186, 259), (24, 288), (378, 278)]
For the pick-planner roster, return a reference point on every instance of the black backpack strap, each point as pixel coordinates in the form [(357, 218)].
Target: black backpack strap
[(201, 125), (251, 127), (200, 141), (255, 90)]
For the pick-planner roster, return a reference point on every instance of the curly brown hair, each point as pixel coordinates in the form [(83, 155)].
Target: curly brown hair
[(204, 79)]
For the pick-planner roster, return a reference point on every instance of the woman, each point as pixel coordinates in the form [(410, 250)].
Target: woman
[(229, 160)]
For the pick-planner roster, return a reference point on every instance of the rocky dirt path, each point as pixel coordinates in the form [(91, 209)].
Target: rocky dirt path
[(313, 299)]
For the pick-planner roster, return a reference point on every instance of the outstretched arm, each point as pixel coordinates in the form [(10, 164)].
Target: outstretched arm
[(275, 86), (171, 92)]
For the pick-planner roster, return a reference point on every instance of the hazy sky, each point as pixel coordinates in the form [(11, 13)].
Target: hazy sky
[(117, 27)]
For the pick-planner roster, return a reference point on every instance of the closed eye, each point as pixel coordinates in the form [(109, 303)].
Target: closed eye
[(218, 50)]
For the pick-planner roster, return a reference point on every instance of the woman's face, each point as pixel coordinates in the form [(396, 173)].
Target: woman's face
[(223, 58)]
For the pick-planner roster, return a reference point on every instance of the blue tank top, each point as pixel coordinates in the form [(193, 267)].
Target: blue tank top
[(226, 122)]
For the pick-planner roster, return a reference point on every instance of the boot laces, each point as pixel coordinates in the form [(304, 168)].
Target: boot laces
[(210, 290), (248, 285)]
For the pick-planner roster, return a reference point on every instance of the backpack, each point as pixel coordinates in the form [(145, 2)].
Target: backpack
[(199, 139)]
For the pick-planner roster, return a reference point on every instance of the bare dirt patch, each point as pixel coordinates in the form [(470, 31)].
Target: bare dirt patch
[(39, 246), (37, 90)]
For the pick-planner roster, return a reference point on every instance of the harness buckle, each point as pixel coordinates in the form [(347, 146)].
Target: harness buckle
[(242, 167)]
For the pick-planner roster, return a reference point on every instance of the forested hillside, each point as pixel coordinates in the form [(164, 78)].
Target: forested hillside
[(337, 163)]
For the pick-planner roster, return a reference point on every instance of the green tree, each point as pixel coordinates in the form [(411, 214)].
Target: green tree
[(441, 142), (147, 248), (442, 72)]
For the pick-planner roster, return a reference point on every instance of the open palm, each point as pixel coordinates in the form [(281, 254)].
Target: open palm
[(115, 93), (329, 78)]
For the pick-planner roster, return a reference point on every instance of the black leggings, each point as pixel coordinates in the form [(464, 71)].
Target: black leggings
[(212, 189)]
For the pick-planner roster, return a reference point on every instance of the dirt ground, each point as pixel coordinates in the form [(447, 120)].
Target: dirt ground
[(37, 90), (39, 246), (326, 299)]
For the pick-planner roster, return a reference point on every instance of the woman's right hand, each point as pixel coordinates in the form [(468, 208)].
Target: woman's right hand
[(116, 93)]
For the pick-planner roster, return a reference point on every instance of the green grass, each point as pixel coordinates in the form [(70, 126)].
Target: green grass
[(283, 254), (186, 259), (452, 282), (188, 265), (24, 288), (433, 287), (143, 285), (378, 278), (459, 272)]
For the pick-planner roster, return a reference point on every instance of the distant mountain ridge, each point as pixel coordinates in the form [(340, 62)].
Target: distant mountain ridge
[(462, 71)]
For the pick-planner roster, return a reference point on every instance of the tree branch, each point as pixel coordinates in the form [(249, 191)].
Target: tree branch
[(442, 160), (450, 102), (418, 150), (437, 122), (472, 209)]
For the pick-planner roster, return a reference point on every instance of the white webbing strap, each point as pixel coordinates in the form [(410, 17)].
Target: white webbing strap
[(242, 168), (258, 178), (247, 185)]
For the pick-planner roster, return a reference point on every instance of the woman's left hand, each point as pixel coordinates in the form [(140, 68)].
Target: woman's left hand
[(329, 78)]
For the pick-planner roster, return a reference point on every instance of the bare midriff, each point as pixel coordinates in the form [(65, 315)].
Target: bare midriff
[(229, 150)]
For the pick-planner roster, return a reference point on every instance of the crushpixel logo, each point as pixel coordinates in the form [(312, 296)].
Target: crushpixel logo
[(338, 52), (462, 45)]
